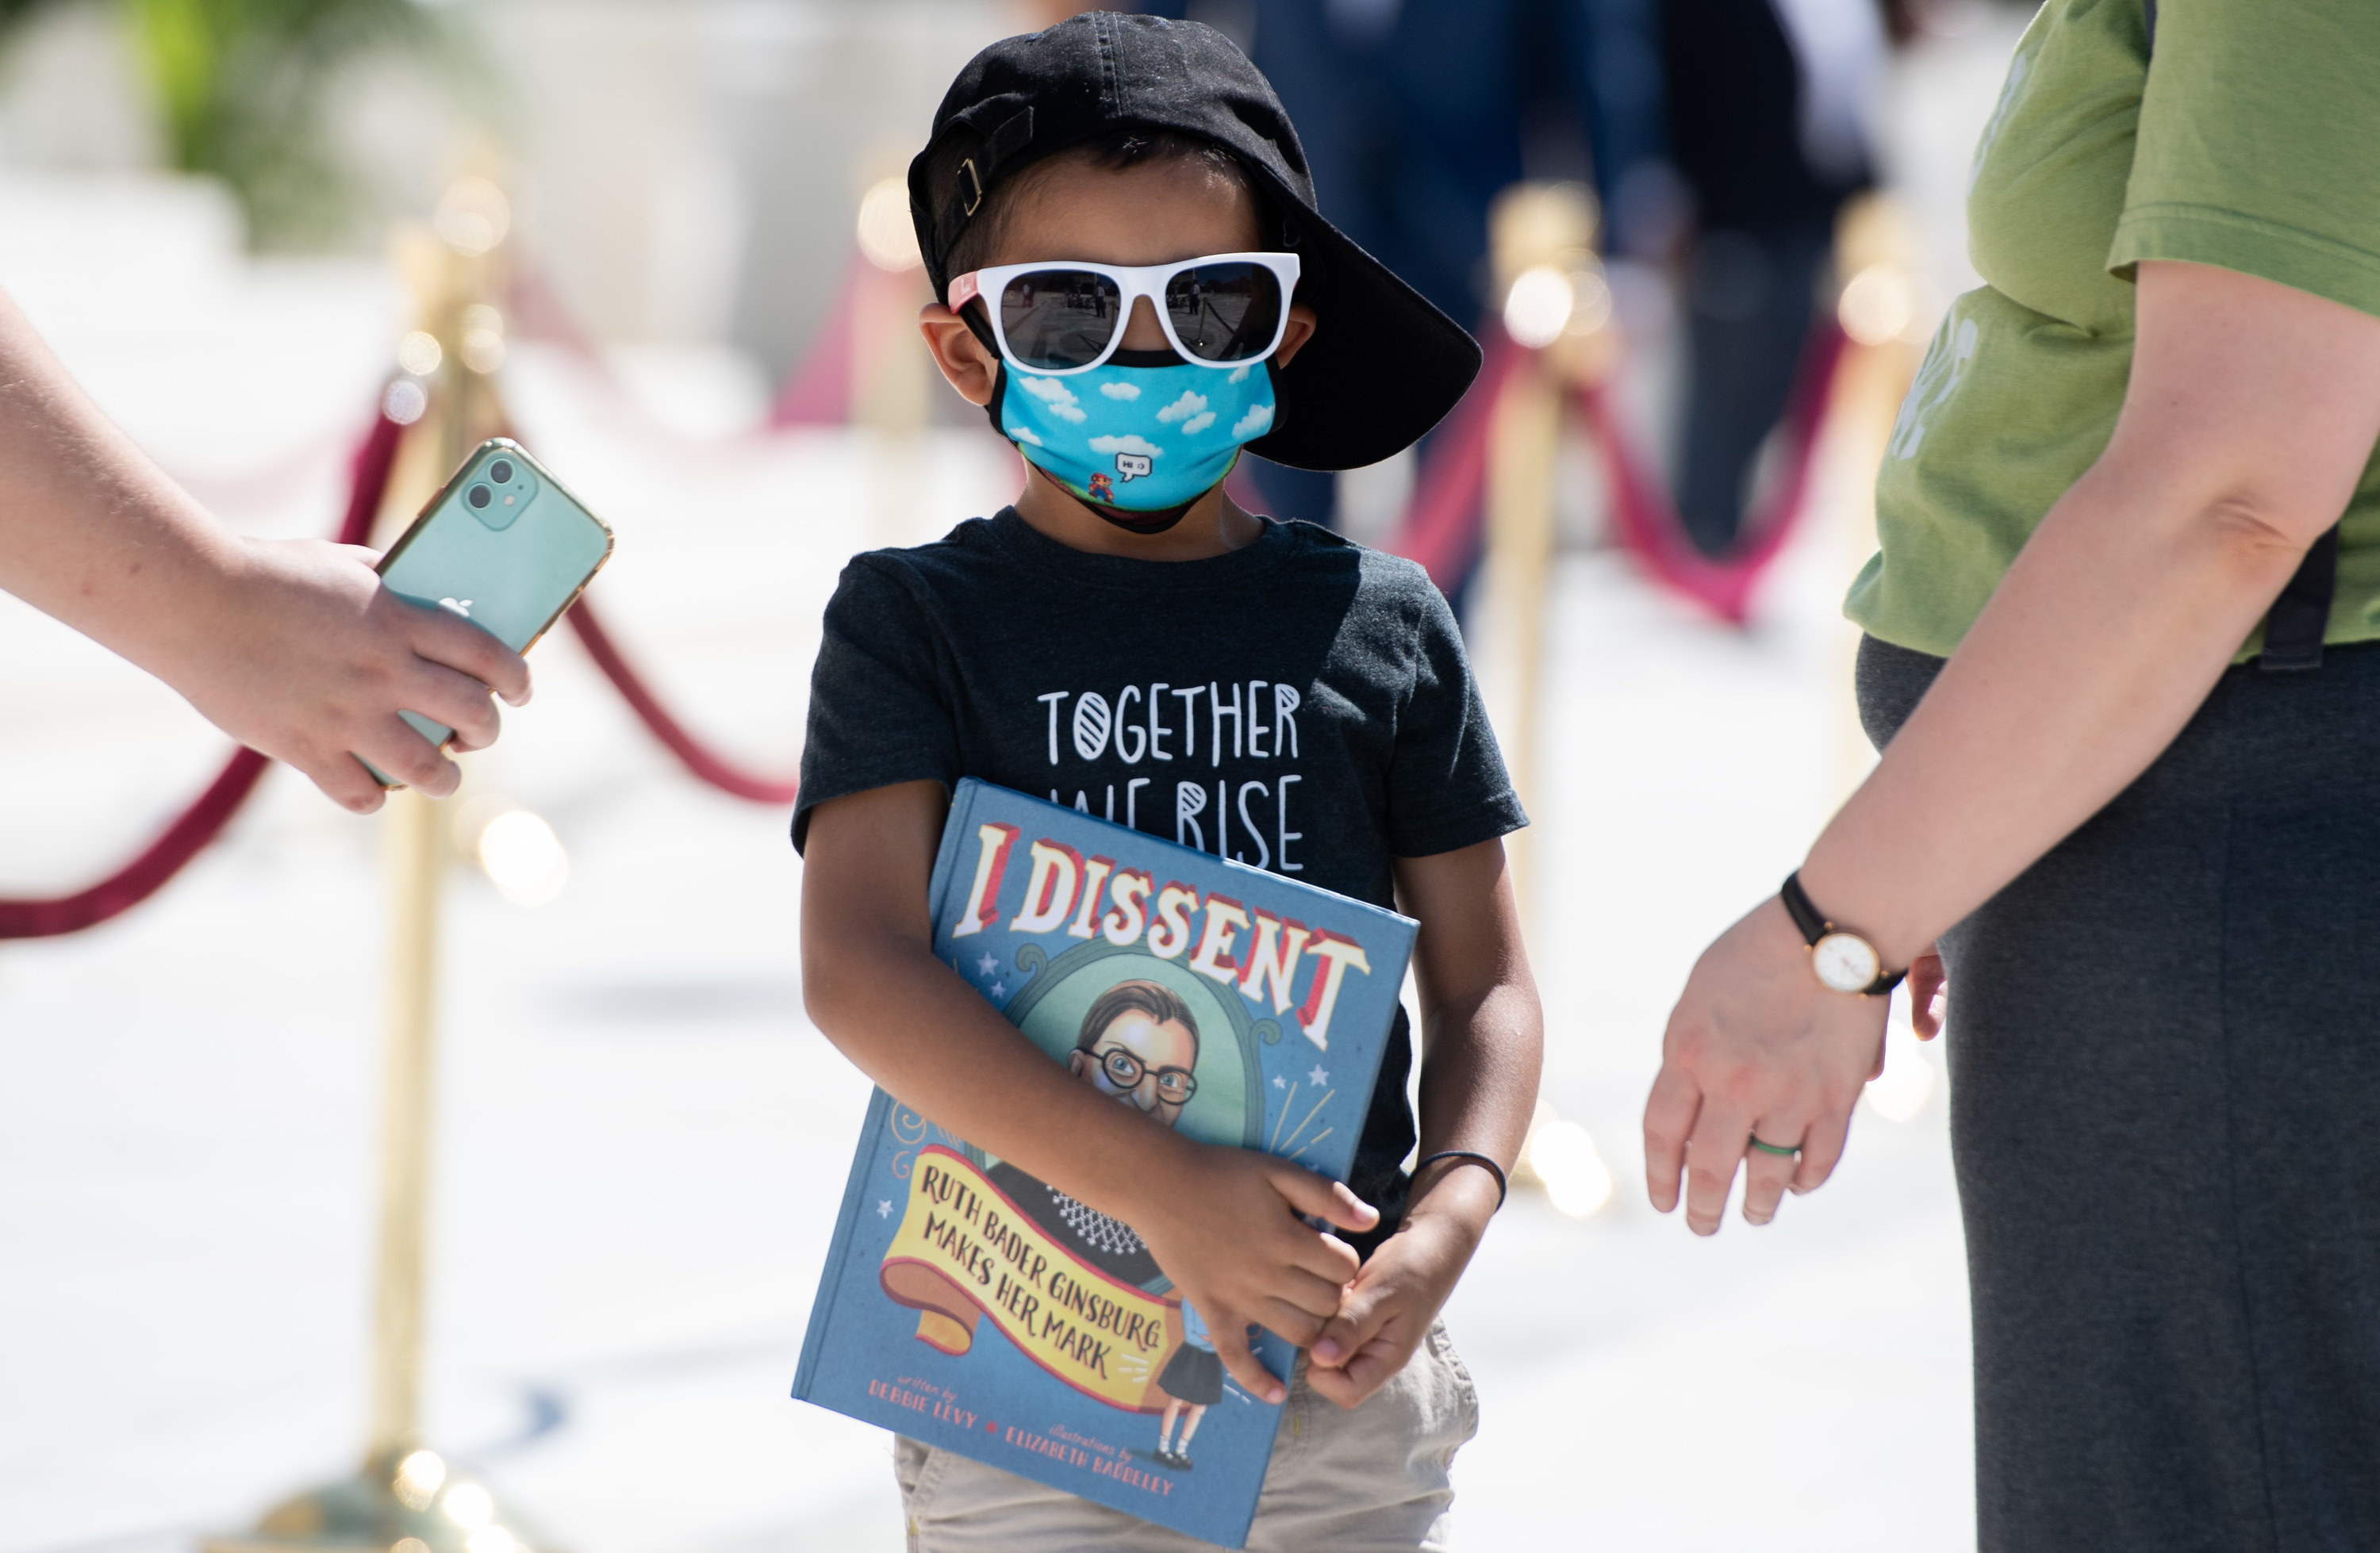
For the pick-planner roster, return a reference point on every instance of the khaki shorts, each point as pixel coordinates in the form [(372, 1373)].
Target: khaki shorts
[(1364, 1482)]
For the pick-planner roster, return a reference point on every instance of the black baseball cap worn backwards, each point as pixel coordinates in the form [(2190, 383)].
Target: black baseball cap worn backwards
[(1384, 367)]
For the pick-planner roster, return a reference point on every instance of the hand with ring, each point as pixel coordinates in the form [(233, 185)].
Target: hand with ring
[(1760, 1067)]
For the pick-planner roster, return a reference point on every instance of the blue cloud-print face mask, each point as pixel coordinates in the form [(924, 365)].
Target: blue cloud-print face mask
[(1136, 439)]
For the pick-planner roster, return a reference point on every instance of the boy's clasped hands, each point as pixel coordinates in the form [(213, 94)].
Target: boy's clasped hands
[(1232, 1221)]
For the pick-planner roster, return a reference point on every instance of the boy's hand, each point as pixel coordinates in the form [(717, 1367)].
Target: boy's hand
[(1228, 1232), (1388, 1308)]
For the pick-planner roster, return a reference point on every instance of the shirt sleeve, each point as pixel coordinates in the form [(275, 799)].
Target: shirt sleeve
[(2253, 149), (1447, 784), (880, 710)]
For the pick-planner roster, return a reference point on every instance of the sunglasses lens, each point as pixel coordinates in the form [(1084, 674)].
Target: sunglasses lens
[(1224, 312), (1056, 318)]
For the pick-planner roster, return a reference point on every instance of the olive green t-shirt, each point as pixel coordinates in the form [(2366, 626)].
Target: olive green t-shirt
[(2254, 144)]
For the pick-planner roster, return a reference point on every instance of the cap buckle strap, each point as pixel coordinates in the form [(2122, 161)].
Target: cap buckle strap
[(968, 206)]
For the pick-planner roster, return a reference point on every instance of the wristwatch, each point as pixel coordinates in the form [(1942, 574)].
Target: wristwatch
[(1843, 960)]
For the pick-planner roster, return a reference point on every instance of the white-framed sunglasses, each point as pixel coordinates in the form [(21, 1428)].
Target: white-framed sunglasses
[(1067, 315)]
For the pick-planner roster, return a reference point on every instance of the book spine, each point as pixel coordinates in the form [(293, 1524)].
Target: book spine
[(880, 1112)]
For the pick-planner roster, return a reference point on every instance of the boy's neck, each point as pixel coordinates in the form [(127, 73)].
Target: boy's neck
[(1215, 525)]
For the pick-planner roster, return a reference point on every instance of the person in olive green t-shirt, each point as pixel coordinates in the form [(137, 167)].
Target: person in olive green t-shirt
[(2020, 389), (2148, 859)]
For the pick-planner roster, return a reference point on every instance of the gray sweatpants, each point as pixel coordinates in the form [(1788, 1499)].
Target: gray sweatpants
[(2165, 1059)]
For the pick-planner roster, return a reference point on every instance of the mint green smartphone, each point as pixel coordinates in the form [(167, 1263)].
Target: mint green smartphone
[(503, 545)]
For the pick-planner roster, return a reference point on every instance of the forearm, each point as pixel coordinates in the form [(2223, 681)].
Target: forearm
[(2106, 635), (1478, 1090), (908, 1022), (92, 532)]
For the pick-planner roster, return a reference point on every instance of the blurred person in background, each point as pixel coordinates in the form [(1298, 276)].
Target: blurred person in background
[(290, 645), (1719, 135), (1763, 100), (2123, 637), (1415, 114)]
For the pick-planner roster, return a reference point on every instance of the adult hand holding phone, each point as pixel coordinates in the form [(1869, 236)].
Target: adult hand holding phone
[(293, 647)]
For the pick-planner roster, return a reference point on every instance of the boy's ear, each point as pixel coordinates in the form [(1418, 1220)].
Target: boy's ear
[(970, 367), (1302, 325)]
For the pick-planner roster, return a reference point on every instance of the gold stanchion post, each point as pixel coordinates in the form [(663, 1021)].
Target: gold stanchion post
[(417, 854), (406, 1499), (1541, 243)]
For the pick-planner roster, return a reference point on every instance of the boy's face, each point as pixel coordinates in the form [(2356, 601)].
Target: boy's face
[(1138, 1060), (1151, 213)]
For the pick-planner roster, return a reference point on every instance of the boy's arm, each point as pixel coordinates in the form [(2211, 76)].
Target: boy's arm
[(1483, 1039), (1221, 1222)]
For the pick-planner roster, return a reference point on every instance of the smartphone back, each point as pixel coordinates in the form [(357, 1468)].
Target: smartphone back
[(503, 545)]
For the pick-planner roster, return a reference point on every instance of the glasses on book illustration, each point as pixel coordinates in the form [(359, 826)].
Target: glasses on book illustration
[(1175, 1085)]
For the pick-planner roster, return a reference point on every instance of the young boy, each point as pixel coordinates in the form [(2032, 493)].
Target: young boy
[(1135, 284)]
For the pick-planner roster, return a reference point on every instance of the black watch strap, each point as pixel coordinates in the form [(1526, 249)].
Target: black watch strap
[(1814, 926)]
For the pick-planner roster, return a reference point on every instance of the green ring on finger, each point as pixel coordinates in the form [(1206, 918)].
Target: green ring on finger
[(1778, 1149)]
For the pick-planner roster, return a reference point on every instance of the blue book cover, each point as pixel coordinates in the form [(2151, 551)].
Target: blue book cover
[(969, 1305)]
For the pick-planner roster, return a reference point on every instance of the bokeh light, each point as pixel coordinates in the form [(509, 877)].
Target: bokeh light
[(886, 235), (419, 1477), (406, 401), (419, 353), (473, 216), (469, 1506), (1878, 304), (523, 859), (483, 338), (1562, 1155), (1539, 307)]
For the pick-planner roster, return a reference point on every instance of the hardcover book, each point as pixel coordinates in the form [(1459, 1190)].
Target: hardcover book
[(969, 1305)]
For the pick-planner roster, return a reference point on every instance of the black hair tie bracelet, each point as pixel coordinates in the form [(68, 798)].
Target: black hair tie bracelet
[(1501, 1185)]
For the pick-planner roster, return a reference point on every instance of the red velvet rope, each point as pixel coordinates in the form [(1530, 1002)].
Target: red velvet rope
[(204, 820), (1443, 524), (1442, 530), (1646, 519), (697, 757), (1442, 527)]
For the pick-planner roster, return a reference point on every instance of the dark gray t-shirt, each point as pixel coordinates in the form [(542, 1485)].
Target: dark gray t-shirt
[(1302, 704)]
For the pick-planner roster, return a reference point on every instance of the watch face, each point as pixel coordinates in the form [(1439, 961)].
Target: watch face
[(1845, 962)]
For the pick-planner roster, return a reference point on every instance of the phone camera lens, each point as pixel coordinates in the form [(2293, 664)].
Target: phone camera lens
[(479, 496), (501, 472)]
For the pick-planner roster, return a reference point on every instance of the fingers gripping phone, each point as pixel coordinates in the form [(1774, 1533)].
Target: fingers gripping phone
[(503, 545)]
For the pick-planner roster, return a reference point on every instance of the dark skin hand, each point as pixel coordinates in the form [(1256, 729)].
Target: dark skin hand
[(1483, 1042)]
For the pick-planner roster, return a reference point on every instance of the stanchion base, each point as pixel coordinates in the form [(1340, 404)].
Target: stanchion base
[(411, 1503)]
